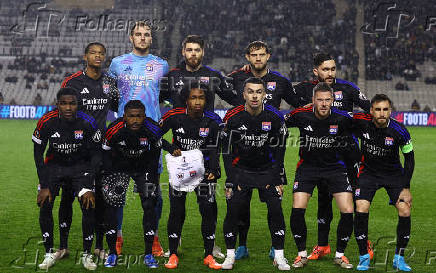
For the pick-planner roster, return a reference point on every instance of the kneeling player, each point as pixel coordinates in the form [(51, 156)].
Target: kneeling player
[(73, 140), (253, 151), (193, 129), (323, 130), (132, 146), (381, 139)]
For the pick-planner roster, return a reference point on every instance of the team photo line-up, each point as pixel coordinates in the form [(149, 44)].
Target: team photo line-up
[(347, 156)]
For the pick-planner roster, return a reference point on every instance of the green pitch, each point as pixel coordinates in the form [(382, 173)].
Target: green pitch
[(20, 234)]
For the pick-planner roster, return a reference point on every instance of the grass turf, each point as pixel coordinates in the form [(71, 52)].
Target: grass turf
[(20, 234)]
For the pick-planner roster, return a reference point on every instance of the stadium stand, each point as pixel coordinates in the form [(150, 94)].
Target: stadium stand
[(34, 58)]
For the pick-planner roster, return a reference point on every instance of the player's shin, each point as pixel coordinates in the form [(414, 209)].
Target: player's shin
[(148, 202), (65, 217), (361, 231), (344, 231), (46, 224), (88, 225), (111, 228), (403, 234), (298, 228)]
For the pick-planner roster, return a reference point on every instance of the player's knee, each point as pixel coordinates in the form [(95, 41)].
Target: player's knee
[(403, 209)]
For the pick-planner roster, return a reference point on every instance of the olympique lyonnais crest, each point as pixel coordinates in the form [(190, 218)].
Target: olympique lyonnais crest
[(143, 141), (271, 86), (389, 141), (333, 129), (204, 80), (357, 193), (149, 68), (204, 132), (192, 173), (266, 126), (106, 88), (78, 134), (338, 95)]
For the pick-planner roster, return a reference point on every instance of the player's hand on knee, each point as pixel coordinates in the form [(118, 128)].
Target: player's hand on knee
[(177, 152), (280, 190), (210, 176), (406, 197), (43, 194), (88, 200), (229, 193)]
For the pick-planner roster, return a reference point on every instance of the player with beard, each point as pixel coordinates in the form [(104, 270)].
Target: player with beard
[(132, 146), (381, 139), (278, 88), (324, 133), (346, 97), (137, 76), (191, 69), (72, 160), (96, 98)]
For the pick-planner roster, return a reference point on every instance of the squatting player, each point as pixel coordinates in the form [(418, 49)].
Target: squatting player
[(324, 134), (346, 96), (132, 145), (381, 139), (278, 88), (72, 160), (96, 98), (253, 150), (193, 127), (137, 75)]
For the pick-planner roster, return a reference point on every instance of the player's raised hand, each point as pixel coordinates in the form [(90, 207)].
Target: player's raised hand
[(42, 196), (406, 197), (177, 152), (88, 200)]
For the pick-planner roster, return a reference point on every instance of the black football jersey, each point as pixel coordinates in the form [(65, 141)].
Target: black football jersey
[(253, 142), (173, 83), (278, 88), (322, 142), (380, 146), (347, 95), (189, 134), (132, 151), (69, 142), (96, 97)]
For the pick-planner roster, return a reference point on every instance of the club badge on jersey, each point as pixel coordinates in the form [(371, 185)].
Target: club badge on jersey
[(333, 129), (78, 134), (389, 141), (266, 126), (143, 141), (106, 88), (338, 95), (204, 80), (204, 132), (149, 68), (271, 86)]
